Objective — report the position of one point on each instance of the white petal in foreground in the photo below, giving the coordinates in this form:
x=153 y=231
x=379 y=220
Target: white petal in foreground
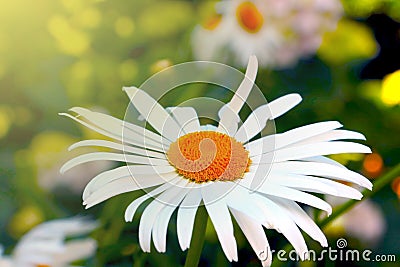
x=332 y=136
x=286 y=226
x=161 y=223
x=127 y=158
x=314 y=149
x=290 y=193
x=322 y=170
x=315 y=185
x=302 y=219
x=255 y=234
x=117 y=146
x=154 y=113
x=187 y=118
x=221 y=219
x=127 y=131
x=186 y=215
x=257 y=120
x=263 y=145
x=171 y=196
x=228 y=114
x=141 y=142
x=131 y=209
x=135 y=181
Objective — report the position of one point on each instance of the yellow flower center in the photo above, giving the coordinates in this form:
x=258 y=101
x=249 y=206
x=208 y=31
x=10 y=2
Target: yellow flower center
x=249 y=17
x=208 y=156
x=42 y=265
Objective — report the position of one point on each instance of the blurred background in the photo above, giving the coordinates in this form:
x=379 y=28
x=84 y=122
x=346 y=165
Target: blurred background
x=343 y=57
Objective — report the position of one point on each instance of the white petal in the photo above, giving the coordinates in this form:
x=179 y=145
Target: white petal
x=127 y=158
x=161 y=223
x=302 y=219
x=259 y=117
x=221 y=219
x=314 y=149
x=322 y=169
x=332 y=136
x=128 y=131
x=131 y=209
x=117 y=146
x=296 y=195
x=290 y=137
x=186 y=118
x=322 y=159
x=228 y=114
x=140 y=180
x=287 y=227
x=240 y=200
x=142 y=142
x=76 y=250
x=208 y=127
x=255 y=234
x=185 y=218
x=61 y=228
x=151 y=213
x=116 y=187
x=316 y=185
x=154 y=113
x=40 y=246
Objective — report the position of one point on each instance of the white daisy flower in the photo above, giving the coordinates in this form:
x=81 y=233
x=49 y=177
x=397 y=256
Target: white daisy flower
x=259 y=183
x=46 y=245
x=278 y=32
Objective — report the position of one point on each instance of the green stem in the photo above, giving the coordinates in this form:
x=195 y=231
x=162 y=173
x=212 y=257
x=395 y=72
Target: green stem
x=197 y=242
x=377 y=186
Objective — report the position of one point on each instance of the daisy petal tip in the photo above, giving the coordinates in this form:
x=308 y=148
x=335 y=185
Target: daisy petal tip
x=253 y=61
x=296 y=97
x=62 y=170
x=324 y=242
x=77 y=109
x=329 y=212
x=130 y=91
x=368 y=185
x=64 y=114
x=128 y=217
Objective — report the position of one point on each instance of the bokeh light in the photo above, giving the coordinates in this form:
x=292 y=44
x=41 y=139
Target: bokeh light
x=373 y=164
x=391 y=89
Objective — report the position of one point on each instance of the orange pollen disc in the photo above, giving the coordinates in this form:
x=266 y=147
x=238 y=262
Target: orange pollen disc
x=42 y=265
x=209 y=156
x=249 y=17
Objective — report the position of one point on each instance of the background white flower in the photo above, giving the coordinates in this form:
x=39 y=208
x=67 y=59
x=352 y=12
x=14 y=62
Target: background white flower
x=46 y=244
x=278 y=32
x=187 y=165
x=353 y=222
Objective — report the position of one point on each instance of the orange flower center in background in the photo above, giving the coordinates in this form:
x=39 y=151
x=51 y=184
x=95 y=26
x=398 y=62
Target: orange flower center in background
x=249 y=17
x=213 y=22
x=208 y=156
x=42 y=265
